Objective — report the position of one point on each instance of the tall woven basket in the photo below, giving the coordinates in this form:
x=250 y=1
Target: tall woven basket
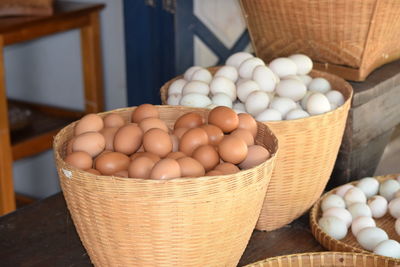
x=349 y=38
x=204 y=221
x=307 y=153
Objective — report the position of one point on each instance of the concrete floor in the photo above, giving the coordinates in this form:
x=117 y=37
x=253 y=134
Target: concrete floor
x=390 y=161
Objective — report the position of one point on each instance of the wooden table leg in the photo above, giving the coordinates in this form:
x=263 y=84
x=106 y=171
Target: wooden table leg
x=92 y=65
x=7 y=195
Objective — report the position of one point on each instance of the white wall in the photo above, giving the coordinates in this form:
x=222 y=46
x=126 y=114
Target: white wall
x=48 y=70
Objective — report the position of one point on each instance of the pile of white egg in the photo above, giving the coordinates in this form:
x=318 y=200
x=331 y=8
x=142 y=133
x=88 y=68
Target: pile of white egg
x=283 y=90
x=357 y=207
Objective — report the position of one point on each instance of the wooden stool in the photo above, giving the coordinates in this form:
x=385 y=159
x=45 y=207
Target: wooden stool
x=66 y=16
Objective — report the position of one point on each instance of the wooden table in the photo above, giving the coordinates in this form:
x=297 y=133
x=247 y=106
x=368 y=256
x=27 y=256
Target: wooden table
x=48 y=120
x=43 y=234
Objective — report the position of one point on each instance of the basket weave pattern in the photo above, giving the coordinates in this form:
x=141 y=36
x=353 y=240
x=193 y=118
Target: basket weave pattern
x=203 y=221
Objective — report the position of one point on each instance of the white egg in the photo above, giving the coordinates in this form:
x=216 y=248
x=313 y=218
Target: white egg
x=361 y=223
x=195 y=100
x=239 y=106
x=369 y=185
x=305 y=78
x=389 y=188
x=221 y=99
x=291 y=88
x=378 y=206
x=332 y=201
x=293 y=77
x=318 y=104
x=304 y=63
x=247 y=67
x=342 y=190
x=189 y=72
x=238 y=111
x=354 y=195
x=341 y=213
x=333 y=226
x=211 y=106
x=283 y=105
x=265 y=78
x=196 y=87
x=256 y=102
x=223 y=85
x=370 y=237
x=176 y=87
x=320 y=85
x=333 y=106
x=269 y=115
x=245 y=88
x=296 y=113
x=388 y=248
x=236 y=59
x=283 y=66
x=397 y=226
x=228 y=72
x=303 y=101
x=394 y=208
x=203 y=75
x=335 y=97
x=240 y=80
x=174 y=99
x=359 y=209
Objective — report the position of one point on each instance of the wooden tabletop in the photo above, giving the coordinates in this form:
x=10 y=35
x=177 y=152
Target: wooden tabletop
x=43 y=234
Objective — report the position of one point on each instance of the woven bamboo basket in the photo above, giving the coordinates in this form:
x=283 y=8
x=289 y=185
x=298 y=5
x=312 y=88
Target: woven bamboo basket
x=205 y=221
x=349 y=38
x=308 y=150
x=324 y=259
x=349 y=243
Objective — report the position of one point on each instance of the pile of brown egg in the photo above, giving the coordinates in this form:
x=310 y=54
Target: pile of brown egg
x=146 y=148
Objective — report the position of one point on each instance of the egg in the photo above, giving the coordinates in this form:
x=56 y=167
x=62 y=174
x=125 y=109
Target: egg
x=232 y=149
x=113 y=120
x=80 y=160
x=340 y=213
x=149 y=155
x=69 y=144
x=228 y=72
x=304 y=63
x=144 y=111
x=283 y=66
x=245 y=135
x=389 y=188
x=283 y=105
x=318 y=104
x=269 y=114
x=394 y=208
x=207 y=156
x=388 y=248
x=174 y=99
x=189 y=120
x=166 y=169
x=397 y=226
x=190 y=167
x=247 y=67
x=304 y=100
x=176 y=155
x=176 y=87
x=215 y=134
x=211 y=106
x=247 y=122
x=369 y=185
x=112 y=162
x=256 y=155
x=140 y=167
x=370 y=237
x=333 y=226
x=91 y=142
x=332 y=201
x=224 y=118
x=109 y=134
x=256 y=102
x=93 y=171
x=195 y=100
x=192 y=139
x=196 y=87
x=354 y=195
x=320 y=85
x=296 y=113
x=342 y=190
x=378 y=206
x=236 y=59
x=265 y=78
x=245 y=88
x=361 y=222
x=202 y=75
x=239 y=106
x=189 y=72
x=221 y=84
x=123 y=174
x=306 y=79
x=292 y=89
x=221 y=99
x=89 y=123
x=128 y=139
x=179 y=132
x=214 y=173
x=359 y=209
x=335 y=97
x=227 y=168
x=158 y=142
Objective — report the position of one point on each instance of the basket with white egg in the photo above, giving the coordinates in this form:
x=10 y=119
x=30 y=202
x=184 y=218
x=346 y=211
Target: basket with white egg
x=306 y=109
x=362 y=216
x=202 y=221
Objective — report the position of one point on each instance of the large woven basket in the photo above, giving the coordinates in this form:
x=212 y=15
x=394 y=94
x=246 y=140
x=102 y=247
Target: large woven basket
x=204 y=221
x=308 y=150
x=349 y=38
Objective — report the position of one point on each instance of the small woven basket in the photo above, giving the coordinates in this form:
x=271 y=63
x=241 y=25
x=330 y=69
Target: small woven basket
x=308 y=150
x=349 y=243
x=204 y=221
x=349 y=38
x=324 y=259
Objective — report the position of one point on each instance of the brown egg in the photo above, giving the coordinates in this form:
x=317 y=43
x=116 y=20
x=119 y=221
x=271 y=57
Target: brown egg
x=207 y=156
x=227 y=168
x=158 y=142
x=144 y=111
x=245 y=135
x=149 y=155
x=93 y=171
x=175 y=142
x=214 y=173
x=189 y=120
x=89 y=123
x=255 y=156
x=224 y=118
x=149 y=123
x=102 y=153
x=91 y=142
x=192 y=139
x=141 y=167
x=69 y=145
x=215 y=134
x=166 y=169
x=247 y=122
x=179 y=132
x=109 y=134
x=123 y=174
x=190 y=167
x=112 y=162
x=176 y=155
x=113 y=120
x=80 y=160
x=128 y=139
x=232 y=149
